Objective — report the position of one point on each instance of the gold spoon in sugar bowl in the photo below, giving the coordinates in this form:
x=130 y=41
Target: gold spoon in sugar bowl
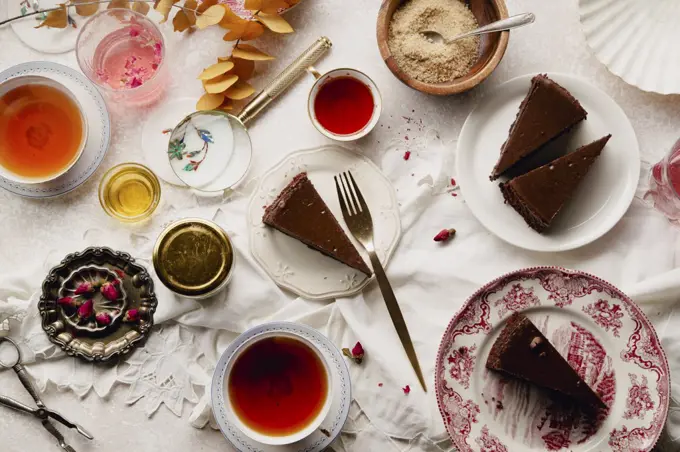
x=500 y=25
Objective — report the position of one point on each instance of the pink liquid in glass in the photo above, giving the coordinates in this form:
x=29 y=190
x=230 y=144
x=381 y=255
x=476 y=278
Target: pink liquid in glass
x=664 y=185
x=127 y=61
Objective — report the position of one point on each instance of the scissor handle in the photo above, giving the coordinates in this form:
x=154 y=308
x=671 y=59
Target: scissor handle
x=21 y=372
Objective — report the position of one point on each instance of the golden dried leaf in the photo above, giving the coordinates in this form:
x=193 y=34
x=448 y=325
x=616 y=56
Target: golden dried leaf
x=239 y=91
x=209 y=101
x=215 y=70
x=227 y=105
x=243 y=68
x=56 y=19
x=211 y=16
x=220 y=84
x=85 y=10
x=141 y=7
x=164 y=7
x=275 y=23
x=205 y=4
x=231 y=20
x=248 y=52
x=292 y=3
x=245 y=31
x=183 y=20
x=224 y=58
x=122 y=4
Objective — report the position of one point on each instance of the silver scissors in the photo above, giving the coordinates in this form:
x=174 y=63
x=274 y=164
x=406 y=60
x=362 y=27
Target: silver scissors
x=42 y=412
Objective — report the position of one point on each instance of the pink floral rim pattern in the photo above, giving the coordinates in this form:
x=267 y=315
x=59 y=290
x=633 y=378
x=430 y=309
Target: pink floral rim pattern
x=603 y=334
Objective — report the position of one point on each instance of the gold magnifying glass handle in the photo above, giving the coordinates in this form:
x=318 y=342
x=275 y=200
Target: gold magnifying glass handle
x=285 y=79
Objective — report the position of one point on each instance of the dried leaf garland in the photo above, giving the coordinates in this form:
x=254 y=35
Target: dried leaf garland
x=164 y=7
x=205 y=4
x=56 y=19
x=85 y=10
x=215 y=70
x=243 y=68
x=227 y=105
x=248 y=52
x=266 y=6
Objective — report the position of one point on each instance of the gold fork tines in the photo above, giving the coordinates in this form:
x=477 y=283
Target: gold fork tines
x=358 y=219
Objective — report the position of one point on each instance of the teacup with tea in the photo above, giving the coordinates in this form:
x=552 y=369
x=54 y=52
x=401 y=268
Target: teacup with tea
x=344 y=104
x=43 y=131
x=279 y=388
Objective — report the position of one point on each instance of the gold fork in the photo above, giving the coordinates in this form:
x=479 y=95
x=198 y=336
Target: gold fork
x=359 y=221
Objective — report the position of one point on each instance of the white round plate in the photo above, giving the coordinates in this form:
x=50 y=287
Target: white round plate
x=156 y=135
x=636 y=40
x=603 y=334
x=602 y=197
x=293 y=265
x=98 y=134
x=342 y=392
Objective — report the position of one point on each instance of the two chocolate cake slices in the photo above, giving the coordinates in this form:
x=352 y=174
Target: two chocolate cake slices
x=546 y=113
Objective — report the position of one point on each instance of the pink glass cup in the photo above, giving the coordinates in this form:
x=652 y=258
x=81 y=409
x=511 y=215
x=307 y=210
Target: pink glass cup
x=664 y=185
x=123 y=53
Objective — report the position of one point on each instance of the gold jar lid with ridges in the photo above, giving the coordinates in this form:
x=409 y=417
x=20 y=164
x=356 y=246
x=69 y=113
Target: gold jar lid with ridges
x=193 y=257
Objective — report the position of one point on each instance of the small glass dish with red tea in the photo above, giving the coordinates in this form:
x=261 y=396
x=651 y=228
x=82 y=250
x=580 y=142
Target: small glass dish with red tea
x=279 y=388
x=344 y=104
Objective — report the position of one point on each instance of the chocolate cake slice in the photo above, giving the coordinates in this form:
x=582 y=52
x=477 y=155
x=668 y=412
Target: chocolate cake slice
x=521 y=351
x=546 y=113
x=300 y=212
x=540 y=194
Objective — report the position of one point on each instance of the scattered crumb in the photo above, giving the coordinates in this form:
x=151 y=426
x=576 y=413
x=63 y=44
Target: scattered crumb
x=380 y=385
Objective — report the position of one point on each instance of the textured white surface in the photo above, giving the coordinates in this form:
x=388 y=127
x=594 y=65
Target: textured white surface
x=431 y=281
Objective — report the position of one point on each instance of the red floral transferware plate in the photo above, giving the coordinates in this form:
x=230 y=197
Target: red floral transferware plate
x=603 y=334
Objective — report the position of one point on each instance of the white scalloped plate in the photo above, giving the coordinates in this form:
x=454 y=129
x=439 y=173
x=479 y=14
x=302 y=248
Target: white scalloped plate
x=603 y=335
x=342 y=392
x=637 y=40
x=98 y=133
x=293 y=265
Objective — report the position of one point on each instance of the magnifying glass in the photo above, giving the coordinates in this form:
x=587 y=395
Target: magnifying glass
x=211 y=150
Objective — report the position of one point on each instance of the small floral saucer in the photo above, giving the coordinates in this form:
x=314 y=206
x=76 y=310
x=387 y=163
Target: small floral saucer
x=342 y=392
x=293 y=265
x=98 y=124
x=603 y=334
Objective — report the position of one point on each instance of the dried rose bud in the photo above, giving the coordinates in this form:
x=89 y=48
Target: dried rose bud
x=358 y=351
x=453 y=182
x=84 y=289
x=131 y=315
x=119 y=272
x=86 y=310
x=407 y=154
x=103 y=318
x=109 y=291
x=380 y=385
x=67 y=302
x=406 y=389
x=444 y=235
x=356 y=354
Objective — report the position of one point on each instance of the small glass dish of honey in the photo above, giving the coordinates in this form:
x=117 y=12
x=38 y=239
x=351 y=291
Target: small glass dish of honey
x=129 y=192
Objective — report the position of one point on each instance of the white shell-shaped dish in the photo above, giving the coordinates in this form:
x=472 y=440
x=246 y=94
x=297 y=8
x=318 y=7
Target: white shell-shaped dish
x=637 y=40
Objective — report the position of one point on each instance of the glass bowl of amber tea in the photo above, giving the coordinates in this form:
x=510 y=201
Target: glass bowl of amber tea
x=279 y=388
x=43 y=131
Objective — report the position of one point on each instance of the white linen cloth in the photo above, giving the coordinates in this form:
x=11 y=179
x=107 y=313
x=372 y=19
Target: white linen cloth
x=431 y=280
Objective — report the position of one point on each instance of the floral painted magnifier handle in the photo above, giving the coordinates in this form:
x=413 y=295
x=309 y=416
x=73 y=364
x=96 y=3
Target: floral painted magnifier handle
x=285 y=79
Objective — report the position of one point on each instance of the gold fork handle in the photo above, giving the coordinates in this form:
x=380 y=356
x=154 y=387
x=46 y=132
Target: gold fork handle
x=397 y=317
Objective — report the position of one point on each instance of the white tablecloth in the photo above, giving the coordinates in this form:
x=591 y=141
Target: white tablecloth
x=166 y=380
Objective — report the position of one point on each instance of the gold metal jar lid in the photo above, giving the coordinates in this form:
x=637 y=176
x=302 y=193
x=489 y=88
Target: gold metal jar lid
x=193 y=257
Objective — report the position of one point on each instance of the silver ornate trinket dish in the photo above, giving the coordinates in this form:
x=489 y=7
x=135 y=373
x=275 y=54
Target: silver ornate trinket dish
x=97 y=304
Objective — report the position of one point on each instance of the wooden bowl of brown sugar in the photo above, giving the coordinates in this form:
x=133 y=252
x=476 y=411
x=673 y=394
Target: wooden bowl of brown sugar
x=432 y=73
